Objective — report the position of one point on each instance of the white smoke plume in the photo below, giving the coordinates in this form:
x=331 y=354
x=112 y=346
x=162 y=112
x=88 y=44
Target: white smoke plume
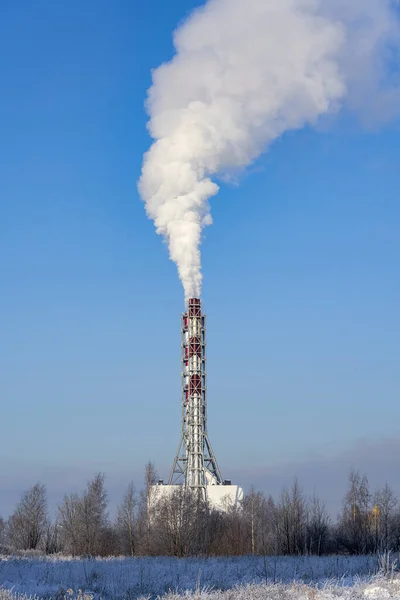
x=246 y=71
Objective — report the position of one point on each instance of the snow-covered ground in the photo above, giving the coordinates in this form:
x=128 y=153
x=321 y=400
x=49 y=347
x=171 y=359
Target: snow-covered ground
x=244 y=578
x=380 y=589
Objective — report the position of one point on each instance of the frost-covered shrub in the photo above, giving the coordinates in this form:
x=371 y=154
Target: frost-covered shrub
x=9 y=595
x=375 y=590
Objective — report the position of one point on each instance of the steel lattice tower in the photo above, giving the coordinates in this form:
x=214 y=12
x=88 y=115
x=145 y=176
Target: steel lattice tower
x=194 y=465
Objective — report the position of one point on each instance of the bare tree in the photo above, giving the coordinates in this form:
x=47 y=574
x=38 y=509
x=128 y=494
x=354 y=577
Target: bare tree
x=214 y=533
x=235 y=539
x=94 y=515
x=69 y=514
x=174 y=523
x=259 y=513
x=126 y=521
x=51 y=542
x=383 y=517
x=318 y=525
x=2 y=532
x=252 y=509
x=291 y=521
x=83 y=520
x=146 y=510
x=354 y=529
x=283 y=523
x=182 y=524
x=269 y=541
x=150 y=479
x=27 y=525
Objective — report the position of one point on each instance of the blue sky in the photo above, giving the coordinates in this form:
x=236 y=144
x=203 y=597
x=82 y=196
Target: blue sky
x=301 y=277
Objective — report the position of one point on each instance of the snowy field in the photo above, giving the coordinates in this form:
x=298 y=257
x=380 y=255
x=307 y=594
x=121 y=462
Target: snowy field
x=251 y=577
x=378 y=589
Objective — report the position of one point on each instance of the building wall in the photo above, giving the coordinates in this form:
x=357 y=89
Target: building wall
x=220 y=497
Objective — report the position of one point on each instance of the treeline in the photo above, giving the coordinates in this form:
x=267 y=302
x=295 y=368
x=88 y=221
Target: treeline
x=182 y=525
